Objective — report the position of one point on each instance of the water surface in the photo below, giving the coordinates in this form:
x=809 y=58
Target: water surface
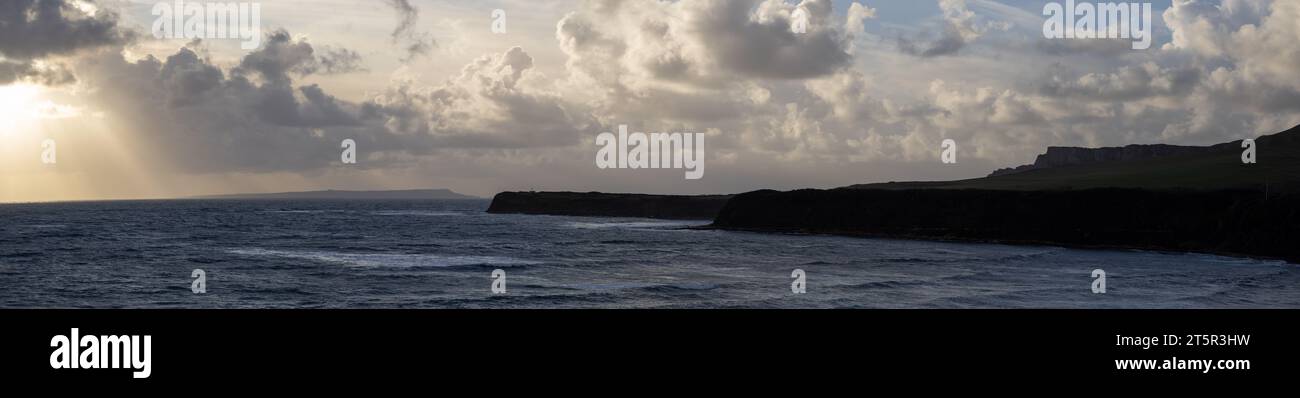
x=440 y=254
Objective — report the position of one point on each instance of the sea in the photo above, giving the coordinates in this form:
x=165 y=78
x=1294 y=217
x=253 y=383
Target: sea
x=445 y=254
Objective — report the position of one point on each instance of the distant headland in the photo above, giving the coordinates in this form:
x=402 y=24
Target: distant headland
x=406 y=194
x=596 y=204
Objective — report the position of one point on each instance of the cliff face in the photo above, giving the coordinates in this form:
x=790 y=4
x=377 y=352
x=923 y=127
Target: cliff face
x=1230 y=222
x=609 y=205
x=1057 y=156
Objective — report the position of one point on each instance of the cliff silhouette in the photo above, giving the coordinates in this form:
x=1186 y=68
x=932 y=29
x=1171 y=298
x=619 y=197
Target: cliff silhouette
x=1156 y=197
x=1192 y=199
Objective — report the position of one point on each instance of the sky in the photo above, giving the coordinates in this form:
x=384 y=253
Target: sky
x=433 y=97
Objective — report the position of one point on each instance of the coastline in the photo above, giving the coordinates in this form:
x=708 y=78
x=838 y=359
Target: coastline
x=1233 y=223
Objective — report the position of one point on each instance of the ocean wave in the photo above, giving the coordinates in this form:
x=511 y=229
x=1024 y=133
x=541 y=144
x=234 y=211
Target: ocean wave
x=913 y=260
x=303 y=211
x=1234 y=261
x=1024 y=256
x=417 y=213
x=45 y=226
x=19 y=254
x=618 y=242
x=559 y=300
x=889 y=284
x=592 y=286
x=398 y=260
x=681 y=287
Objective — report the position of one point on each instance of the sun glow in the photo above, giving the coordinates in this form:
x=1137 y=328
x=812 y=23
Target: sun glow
x=17 y=106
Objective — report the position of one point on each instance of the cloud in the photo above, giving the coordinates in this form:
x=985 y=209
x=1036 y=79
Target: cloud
x=667 y=65
x=702 y=42
x=27 y=71
x=40 y=28
x=255 y=117
x=497 y=102
x=959 y=29
x=334 y=60
x=201 y=119
x=760 y=42
x=414 y=42
x=282 y=55
x=1246 y=50
x=1126 y=84
x=832 y=106
x=36 y=29
x=858 y=14
x=1092 y=47
x=1208 y=28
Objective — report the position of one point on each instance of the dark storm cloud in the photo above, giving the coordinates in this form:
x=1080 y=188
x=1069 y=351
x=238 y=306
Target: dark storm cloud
x=32 y=29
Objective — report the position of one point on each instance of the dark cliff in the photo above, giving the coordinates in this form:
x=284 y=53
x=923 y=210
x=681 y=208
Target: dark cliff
x=1225 y=222
x=1198 y=199
x=1057 y=156
x=703 y=207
